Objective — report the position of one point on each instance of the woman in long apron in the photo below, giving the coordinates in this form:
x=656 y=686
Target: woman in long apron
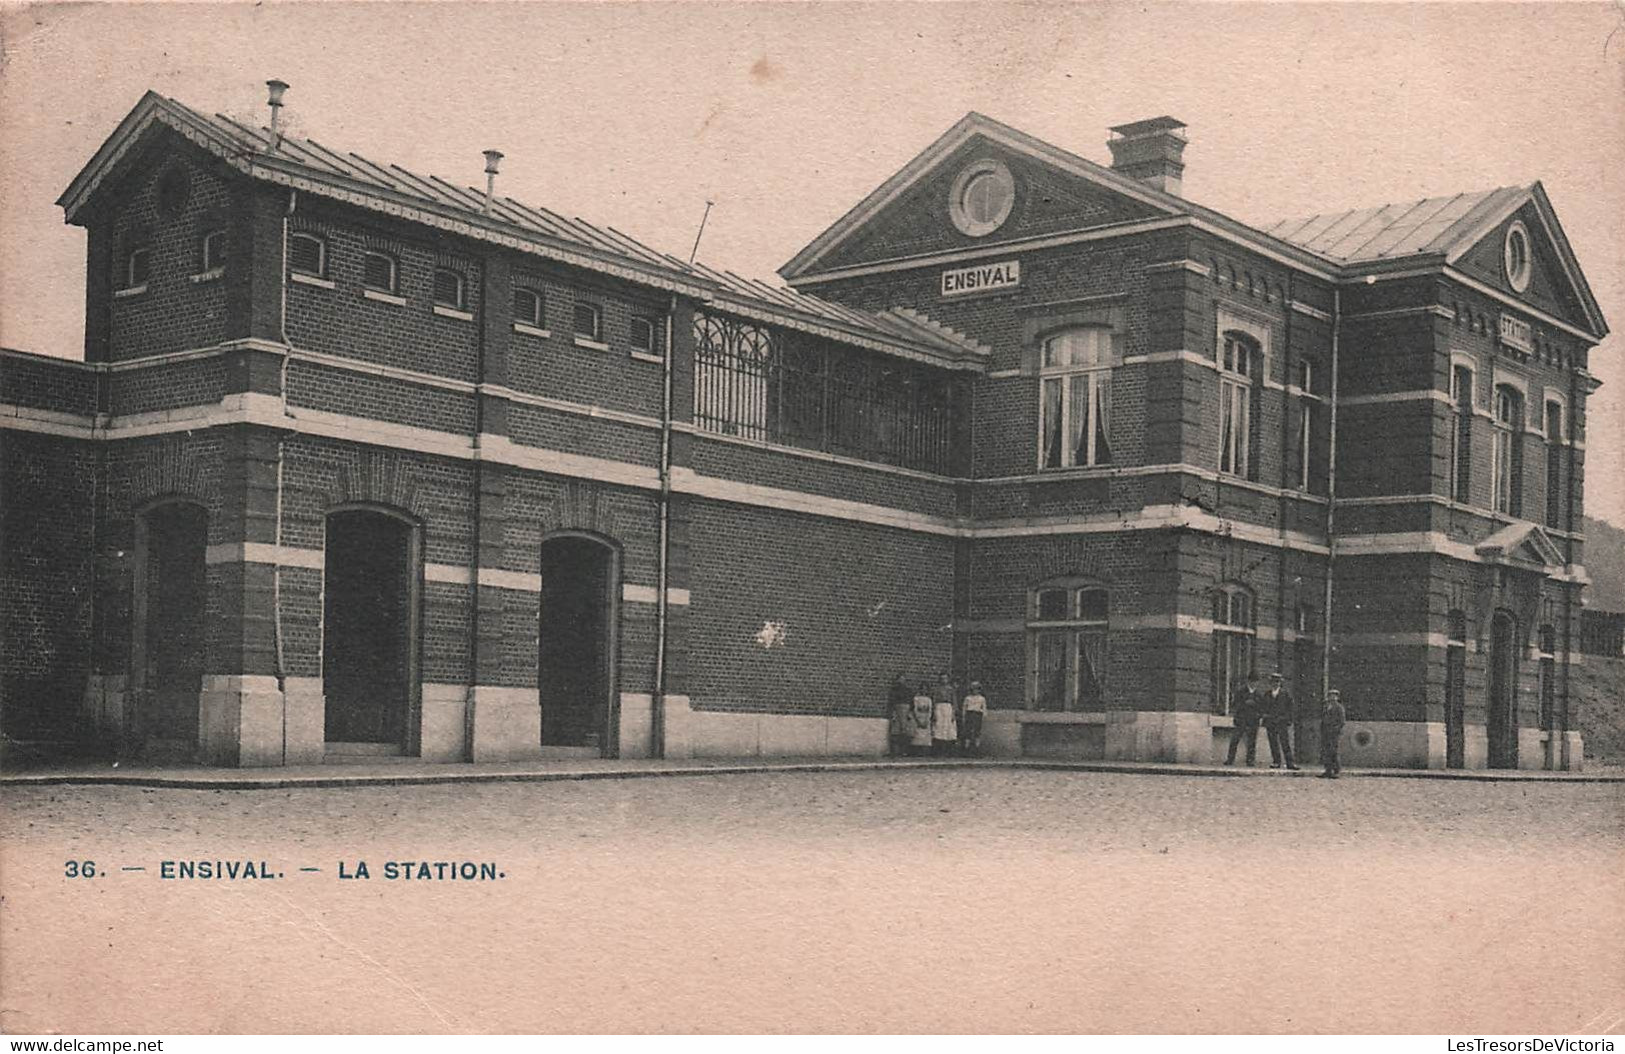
x=919 y=741
x=944 y=726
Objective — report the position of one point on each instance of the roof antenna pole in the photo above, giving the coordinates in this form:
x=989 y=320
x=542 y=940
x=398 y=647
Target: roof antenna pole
x=492 y=158
x=276 y=89
x=692 y=253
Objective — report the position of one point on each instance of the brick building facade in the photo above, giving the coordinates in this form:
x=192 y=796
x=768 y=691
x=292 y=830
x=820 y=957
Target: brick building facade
x=363 y=463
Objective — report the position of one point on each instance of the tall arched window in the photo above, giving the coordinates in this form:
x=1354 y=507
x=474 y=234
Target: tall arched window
x=1239 y=363
x=1234 y=630
x=1066 y=633
x=1075 y=404
x=1508 y=468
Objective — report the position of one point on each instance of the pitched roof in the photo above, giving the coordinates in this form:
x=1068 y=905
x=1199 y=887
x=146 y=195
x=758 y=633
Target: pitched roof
x=1406 y=228
x=306 y=165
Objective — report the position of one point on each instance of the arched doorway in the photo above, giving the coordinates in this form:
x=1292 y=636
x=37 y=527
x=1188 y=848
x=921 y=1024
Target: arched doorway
x=170 y=604
x=1503 y=710
x=577 y=642
x=369 y=631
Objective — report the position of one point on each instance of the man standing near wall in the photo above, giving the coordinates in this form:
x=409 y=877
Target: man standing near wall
x=1331 y=732
x=970 y=722
x=1278 y=714
x=1244 y=710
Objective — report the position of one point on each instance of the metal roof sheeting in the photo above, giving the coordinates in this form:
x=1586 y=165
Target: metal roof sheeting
x=1400 y=229
x=915 y=337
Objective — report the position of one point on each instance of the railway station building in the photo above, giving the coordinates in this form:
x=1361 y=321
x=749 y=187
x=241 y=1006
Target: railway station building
x=360 y=463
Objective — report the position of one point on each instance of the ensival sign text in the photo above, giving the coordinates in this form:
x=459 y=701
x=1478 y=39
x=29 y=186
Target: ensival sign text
x=1005 y=274
x=1516 y=333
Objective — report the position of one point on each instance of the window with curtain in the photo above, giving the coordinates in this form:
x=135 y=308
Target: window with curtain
x=1076 y=398
x=1067 y=636
x=1234 y=630
x=1239 y=359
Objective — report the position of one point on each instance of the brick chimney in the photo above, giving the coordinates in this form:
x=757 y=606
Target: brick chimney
x=1149 y=151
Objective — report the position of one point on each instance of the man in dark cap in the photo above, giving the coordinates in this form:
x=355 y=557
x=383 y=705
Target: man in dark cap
x=1279 y=712
x=1331 y=732
x=1244 y=710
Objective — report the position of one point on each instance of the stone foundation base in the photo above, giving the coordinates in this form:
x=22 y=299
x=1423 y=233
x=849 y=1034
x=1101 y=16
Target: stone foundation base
x=240 y=721
x=691 y=733
x=505 y=724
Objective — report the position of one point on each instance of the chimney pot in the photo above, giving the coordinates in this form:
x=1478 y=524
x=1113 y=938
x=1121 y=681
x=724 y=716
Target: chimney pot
x=492 y=159
x=1150 y=152
x=276 y=88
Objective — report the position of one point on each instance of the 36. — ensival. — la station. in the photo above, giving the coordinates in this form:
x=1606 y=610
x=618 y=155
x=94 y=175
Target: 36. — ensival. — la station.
x=360 y=462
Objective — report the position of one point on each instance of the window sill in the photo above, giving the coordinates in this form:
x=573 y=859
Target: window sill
x=210 y=275
x=644 y=356
x=451 y=312
x=310 y=279
x=530 y=330
x=134 y=290
x=384 y=298
x=1069 y=471
x=587 y=342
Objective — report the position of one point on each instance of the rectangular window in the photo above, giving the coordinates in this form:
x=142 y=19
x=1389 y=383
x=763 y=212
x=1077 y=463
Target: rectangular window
x=643 y=335
x=379 y=273
x=527 y=307
x=449 y=288
x=1554 y=464
x=1508 y=460
x=1069 y=641
x=1235 y=425
x=307 y=254
x=1306 y=418
x=1052 y=655
x=1461 y=396
x=1075 y=399
x=214 y=251
x=137 y=266
x=588 y=321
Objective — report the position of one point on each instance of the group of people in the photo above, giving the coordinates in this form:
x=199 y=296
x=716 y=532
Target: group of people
x=933 y=718
x=1275 y=709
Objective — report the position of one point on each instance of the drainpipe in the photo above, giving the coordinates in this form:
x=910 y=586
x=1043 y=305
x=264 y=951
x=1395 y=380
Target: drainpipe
x=1331 y=498
x=1288 y=441
x=1559 y=760
x=657 y=708
x=281 y=460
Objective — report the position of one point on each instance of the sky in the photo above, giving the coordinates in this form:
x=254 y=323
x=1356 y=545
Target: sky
x=785 y=115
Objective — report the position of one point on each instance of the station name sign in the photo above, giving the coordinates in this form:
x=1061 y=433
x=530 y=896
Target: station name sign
x=1518 y=334
x=962 y=281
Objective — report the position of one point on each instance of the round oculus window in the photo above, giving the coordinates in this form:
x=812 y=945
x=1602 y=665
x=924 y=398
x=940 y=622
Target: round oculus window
x=1515 y=256
x=981 y=198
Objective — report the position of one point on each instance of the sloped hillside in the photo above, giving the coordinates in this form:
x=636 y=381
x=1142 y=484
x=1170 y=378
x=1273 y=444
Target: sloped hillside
x=1601 y=684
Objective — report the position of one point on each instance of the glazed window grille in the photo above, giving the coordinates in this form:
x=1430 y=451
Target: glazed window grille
x=1067 y=642
x=1234 y=631
x=1508 y=466
x=1075 y=400
x=759 y=382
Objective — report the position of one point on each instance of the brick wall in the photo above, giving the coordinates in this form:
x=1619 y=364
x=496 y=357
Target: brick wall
x=857 y=604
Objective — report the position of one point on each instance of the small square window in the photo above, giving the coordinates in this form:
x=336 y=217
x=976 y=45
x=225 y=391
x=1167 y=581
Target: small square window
x=378 y=272
x=588 y=321
x=136 y=268
x=214 y=250
x=1306 y=374
x=449 y=288
x=307 y=254
x=643 y=334
x=1092 y=605
x=527 y=307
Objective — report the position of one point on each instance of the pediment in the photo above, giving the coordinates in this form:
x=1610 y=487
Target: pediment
x=910 y=215
x=1521 y=543
x=1555 y=284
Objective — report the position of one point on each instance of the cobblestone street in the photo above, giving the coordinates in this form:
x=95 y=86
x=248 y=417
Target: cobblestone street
x=907 y=900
